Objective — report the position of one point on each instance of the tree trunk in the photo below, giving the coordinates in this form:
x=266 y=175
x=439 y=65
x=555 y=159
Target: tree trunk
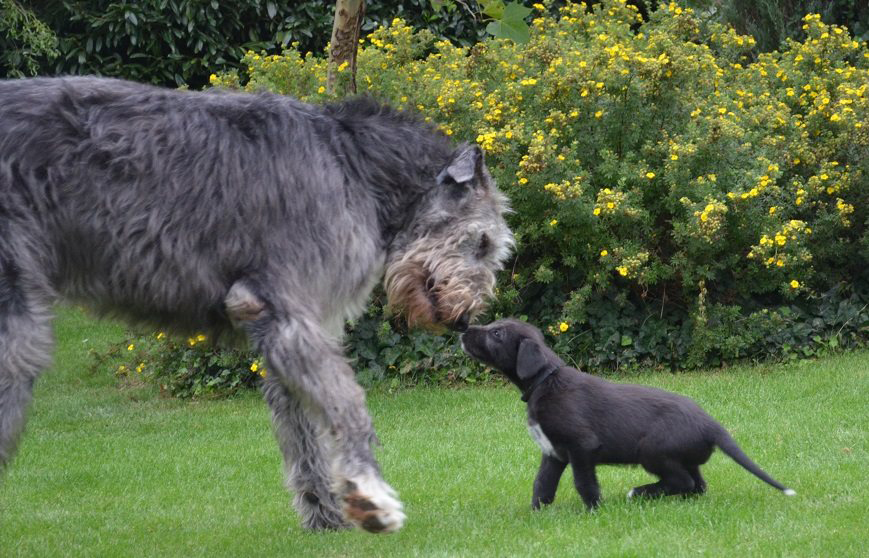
x=345 y=41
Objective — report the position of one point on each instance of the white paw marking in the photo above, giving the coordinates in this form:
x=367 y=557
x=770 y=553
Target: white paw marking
x=790 y=492
x=630 y=494
x=373 y=505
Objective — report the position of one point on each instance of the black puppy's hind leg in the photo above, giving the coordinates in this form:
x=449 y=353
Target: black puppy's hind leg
x=675 y=479
x=699 y=481
x=546 y=482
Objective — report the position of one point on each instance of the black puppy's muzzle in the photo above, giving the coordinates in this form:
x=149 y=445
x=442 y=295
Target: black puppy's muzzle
x=471 y=338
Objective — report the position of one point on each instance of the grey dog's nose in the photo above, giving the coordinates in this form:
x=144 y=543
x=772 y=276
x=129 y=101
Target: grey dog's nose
x=461 y=324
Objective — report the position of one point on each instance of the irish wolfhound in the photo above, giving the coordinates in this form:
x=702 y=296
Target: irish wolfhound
x=203 y=211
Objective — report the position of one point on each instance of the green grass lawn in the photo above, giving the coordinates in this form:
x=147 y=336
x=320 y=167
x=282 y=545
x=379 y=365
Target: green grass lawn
x=118 y=471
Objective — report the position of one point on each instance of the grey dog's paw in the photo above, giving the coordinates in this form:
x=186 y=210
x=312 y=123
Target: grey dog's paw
x=372 y=505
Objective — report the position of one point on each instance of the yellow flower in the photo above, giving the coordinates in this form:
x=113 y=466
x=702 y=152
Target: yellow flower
x=772 y=210
x=604 y=253
x=650 y=175
x=523 y=180
x=200 y=338
x=596 y=211
x=553 y=222
x=610 y=205
x=563 y=326
x=623 y=271
x=212 y=78
x=321 y=89
x=130 y=347
x=704 y=216
x=254 y=366
x=674 y=157
x=598 y=114
x=161 y=336
x=795 y=284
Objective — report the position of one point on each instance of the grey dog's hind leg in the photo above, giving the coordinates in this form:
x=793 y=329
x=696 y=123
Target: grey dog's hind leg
x=25 y=350
x=306 y=459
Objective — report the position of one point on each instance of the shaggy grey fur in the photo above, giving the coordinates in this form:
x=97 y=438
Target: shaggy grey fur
x=204 y=211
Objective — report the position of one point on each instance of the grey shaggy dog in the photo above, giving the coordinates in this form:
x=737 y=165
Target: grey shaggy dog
x=214 y=211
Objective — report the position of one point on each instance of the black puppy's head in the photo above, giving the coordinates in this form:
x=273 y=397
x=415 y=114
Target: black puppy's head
x=515 y=348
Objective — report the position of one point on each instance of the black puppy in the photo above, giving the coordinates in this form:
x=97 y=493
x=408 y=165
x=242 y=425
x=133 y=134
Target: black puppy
x=586 y=421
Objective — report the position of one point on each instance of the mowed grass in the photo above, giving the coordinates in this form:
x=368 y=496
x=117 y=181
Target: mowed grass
x=111 y=471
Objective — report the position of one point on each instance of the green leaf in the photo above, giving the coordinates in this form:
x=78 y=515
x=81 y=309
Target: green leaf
x=493 y=8
x=512 y=24
x=627 y=341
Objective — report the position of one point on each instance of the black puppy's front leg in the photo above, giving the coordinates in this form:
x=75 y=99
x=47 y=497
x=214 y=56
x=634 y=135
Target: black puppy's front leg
x=584 y=478
x=546 y=482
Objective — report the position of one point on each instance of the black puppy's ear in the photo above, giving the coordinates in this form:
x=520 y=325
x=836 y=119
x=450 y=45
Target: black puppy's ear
x=465 y=166
x=529 y=359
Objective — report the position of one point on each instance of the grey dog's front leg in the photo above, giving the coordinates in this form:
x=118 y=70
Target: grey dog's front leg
x=546 y=482
x=309 y=363
x=306 y=458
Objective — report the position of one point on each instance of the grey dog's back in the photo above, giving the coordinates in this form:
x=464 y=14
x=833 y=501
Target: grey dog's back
x=142 y=163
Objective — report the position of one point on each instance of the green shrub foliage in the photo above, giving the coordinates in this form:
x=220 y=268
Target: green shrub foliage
x=770 y=22
x=678 y=202
x=181 y=42
x=24 y=41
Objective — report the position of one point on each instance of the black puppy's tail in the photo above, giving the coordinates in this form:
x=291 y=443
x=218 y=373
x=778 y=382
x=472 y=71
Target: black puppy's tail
x=728 y=445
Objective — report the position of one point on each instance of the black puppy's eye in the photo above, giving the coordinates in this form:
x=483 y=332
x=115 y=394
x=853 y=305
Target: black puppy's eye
x=496 y=333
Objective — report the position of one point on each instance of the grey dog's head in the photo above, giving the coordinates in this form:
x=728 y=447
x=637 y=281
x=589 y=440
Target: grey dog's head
x=515 y=348
x=443 y=271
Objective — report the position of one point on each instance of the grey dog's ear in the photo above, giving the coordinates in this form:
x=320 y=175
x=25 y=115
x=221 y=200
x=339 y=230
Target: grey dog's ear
x=466 y=165
x=529 y=359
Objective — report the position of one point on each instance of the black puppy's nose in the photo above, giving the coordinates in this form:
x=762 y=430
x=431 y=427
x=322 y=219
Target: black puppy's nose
x=461 y=324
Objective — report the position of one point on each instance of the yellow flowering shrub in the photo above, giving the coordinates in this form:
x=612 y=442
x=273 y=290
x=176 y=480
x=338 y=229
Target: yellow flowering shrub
x=185 y=368
x=693 y=182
